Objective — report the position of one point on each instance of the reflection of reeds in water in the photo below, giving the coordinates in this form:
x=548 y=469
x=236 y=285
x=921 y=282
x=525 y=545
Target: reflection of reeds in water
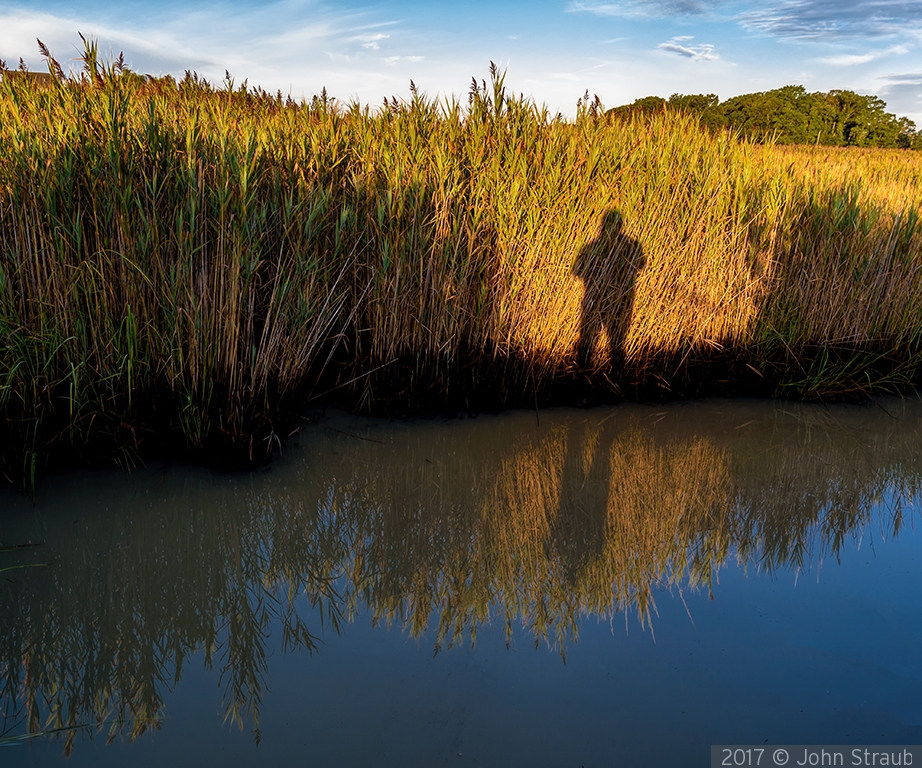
x=582 y=518
x=660 y=533
x=439 y=530
x=109 y=627
x=806 y=492
x=578 y=524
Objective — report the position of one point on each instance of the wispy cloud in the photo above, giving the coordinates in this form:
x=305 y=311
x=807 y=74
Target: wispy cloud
x=371 y=41
x=599 y=9
x=393 y=61
x=912 y=78
x=317 y=46
x=903 y=94
x=851 y=59
x=642 y=8
x=820 y=20
x=834 y=19
x=150 y=50
x=703 y=52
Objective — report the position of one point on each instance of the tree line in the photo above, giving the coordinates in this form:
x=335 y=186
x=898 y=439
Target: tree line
x=791 y=115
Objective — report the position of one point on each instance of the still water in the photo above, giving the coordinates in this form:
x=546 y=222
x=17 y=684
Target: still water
x=611 y=587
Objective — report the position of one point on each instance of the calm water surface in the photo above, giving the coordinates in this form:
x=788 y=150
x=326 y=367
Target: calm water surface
x=605 y=587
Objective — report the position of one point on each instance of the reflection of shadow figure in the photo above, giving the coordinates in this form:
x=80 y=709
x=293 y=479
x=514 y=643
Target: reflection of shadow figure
x=608 y=267
x=579 y=529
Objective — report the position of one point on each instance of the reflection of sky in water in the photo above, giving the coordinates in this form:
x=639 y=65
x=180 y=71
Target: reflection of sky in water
x=461 y=523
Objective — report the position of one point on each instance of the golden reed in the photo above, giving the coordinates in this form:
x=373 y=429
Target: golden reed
x=187 y=260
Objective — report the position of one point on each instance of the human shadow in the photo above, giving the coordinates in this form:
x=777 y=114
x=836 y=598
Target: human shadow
x=608 y=266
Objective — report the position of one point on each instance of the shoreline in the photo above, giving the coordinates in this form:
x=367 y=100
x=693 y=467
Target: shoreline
x=127 y=446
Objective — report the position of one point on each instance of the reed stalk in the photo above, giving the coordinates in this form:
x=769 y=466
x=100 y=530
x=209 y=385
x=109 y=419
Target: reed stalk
x=189 y=261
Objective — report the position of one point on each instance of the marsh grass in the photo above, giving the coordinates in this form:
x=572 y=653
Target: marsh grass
x=187 y=261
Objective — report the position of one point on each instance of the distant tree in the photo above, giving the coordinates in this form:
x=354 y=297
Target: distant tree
x=705 y=107
x=695 y=102
x=788 y=115
x=644 y=106
x=909 y=138
x=649 y=104
x=862 y=121
x=791 y=115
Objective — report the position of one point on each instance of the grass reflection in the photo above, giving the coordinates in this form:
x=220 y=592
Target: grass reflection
x=438 y=529
x=100 y=637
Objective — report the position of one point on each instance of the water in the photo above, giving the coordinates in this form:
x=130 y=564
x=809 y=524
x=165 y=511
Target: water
x=618 y=586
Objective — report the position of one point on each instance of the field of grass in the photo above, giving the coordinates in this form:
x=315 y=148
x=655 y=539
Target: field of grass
x=193 y=262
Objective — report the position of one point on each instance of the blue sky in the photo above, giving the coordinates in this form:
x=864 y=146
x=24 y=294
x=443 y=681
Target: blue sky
x=552 y=50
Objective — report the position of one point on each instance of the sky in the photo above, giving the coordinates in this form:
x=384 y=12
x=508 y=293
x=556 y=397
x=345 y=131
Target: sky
x=552 y=50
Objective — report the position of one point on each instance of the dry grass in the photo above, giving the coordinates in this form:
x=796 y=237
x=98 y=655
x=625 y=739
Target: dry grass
x=192 y=260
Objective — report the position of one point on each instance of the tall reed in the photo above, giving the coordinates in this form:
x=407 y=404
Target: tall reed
x=189 y=260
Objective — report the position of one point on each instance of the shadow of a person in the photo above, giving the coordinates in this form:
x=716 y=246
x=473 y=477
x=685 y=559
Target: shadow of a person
x=608 y=267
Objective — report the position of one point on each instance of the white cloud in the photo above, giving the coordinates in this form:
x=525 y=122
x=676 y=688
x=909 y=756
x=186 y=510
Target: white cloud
x=703 y=52
x=371 y=41
x=642 y=8
x=851 y=59
x=903 y=94
x=320 y=48
x=834 y=19
x=599 y=9
x=393 y=61
x=20 y=29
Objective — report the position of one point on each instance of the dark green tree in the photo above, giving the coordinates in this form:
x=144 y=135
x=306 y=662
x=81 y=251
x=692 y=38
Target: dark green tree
x=791 y=115
x=647 y=105
x=705 y=106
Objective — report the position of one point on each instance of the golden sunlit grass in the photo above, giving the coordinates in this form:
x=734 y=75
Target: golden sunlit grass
x=193 y=260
